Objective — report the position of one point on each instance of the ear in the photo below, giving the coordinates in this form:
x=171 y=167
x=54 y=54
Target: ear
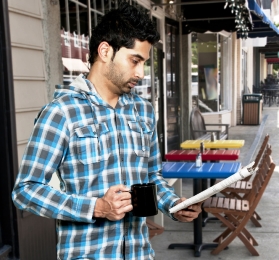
x=104 y=50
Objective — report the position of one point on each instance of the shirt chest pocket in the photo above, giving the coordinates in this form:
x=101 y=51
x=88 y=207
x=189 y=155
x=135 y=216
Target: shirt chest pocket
x=92 y=143
x=141 y=134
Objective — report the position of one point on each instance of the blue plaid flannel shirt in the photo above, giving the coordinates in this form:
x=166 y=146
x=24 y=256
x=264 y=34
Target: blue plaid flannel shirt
x=91 y=146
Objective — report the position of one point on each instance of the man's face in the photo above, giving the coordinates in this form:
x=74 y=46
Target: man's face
x=127 y=67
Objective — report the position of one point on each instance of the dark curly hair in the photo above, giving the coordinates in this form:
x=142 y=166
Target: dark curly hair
x=120 y=28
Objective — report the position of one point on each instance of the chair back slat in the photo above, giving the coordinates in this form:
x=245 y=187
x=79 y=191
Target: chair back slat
x=197 y=123
x=266 y=171
x=240 y=211
x=261 y=151
x=261 y=163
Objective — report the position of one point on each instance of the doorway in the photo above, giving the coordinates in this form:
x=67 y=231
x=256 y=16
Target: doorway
x=172 y=88
x=8 y=148
x=159 y=95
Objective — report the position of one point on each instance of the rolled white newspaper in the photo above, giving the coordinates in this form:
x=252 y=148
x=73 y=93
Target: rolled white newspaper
x=241 y=174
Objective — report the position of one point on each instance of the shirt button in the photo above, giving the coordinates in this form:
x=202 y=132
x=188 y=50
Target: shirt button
x=125 y=182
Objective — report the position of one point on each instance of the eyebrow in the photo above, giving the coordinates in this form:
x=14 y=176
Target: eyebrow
x=138 y=56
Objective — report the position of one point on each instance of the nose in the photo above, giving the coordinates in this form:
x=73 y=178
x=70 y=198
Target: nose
x=139 y=73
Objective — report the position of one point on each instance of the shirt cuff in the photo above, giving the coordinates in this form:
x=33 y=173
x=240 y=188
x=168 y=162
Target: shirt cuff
x=172 y=214
x=85 y=209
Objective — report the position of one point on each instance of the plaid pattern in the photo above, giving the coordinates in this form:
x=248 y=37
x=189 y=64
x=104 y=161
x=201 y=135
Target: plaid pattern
x=91 y=146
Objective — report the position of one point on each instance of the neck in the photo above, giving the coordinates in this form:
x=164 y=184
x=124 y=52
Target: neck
x=101 y=84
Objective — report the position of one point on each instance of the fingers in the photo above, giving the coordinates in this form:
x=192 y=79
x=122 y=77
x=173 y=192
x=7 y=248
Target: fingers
x=186 y=215
x=180 y=200
x=117 y=193
x=189 y=214
x=119 y=187
x=120 y=203
x=196 y=207
x=115 y=203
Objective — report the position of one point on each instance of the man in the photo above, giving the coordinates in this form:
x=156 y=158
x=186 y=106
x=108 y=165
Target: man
x=100 y=139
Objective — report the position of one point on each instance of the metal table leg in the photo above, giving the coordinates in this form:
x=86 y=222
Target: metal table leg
x=198 y=245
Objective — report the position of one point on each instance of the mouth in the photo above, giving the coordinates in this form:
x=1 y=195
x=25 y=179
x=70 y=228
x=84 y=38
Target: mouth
x=132 y=84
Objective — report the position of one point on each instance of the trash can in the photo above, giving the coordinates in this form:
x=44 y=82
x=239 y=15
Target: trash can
x=252 y=109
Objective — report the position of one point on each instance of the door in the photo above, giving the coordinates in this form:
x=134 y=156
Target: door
x=144 y=89
x=172 y=80
x=22 y=235
x=8 y=150
x=159 y=95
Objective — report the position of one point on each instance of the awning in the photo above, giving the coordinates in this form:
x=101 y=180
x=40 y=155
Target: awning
x=213 y=15
x=271 y=55
x=262 y=25
x=272 y=60
x=272 y=46
x=74 y=65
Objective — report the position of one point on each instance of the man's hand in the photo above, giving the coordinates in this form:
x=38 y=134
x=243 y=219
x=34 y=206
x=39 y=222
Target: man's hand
x=115 y=203
x=189 y=214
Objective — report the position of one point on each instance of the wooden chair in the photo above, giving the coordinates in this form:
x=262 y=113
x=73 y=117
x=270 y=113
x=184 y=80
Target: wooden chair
x=240 y=189
x=154 y=229
x=235 y=213
x=198 y=127
x=261 y=152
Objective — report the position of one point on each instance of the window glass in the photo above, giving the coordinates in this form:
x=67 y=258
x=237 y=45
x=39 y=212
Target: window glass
x=205 y=66
x=225 y=72
x=95 y=19
x=74 y=39
x=172 y=84
x=73 y=13
x=63 y=15
x=97 y=5
x=83 y=21
x=85 y=2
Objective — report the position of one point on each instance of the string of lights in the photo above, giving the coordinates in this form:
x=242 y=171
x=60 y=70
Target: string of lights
x=239 y=8
x=242 y=15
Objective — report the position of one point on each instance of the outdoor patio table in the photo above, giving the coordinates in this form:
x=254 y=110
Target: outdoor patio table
x=207 y=155
x=189 y=170
x=270 y=95
x=218 y=144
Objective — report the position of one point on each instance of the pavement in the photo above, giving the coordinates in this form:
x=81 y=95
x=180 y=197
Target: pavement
x=267 y=236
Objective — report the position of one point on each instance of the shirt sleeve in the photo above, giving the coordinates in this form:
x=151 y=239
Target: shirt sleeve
x=45 y=150
x=165 y=193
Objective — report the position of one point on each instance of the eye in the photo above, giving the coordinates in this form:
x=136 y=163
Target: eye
x=135 y=61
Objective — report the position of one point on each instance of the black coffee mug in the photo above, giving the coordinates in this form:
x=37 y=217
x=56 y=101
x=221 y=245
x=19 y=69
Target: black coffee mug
x=144 y=199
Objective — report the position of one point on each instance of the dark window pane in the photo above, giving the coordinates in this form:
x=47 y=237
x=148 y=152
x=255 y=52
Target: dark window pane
x=63 y=16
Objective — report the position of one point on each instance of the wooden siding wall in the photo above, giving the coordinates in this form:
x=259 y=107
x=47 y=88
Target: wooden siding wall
x=28 y=65
x=36 y=234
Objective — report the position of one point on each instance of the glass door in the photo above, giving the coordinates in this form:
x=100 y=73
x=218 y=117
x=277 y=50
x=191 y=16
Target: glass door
x=144 y=89
x=159 y=97
x=172 y=91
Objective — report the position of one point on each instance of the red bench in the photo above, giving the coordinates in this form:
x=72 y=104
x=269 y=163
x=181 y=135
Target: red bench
x=208 y=155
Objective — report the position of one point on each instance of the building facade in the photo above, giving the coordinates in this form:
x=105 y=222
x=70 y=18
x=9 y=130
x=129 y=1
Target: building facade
x=45 y=42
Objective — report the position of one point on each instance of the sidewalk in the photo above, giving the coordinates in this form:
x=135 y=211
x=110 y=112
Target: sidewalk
x=267 y=236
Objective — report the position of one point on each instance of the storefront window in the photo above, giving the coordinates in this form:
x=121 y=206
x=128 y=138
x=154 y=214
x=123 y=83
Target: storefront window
x=225 y=73
x=172 y=85
x=211 y=72
x=77 y=20
x=244 y=71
